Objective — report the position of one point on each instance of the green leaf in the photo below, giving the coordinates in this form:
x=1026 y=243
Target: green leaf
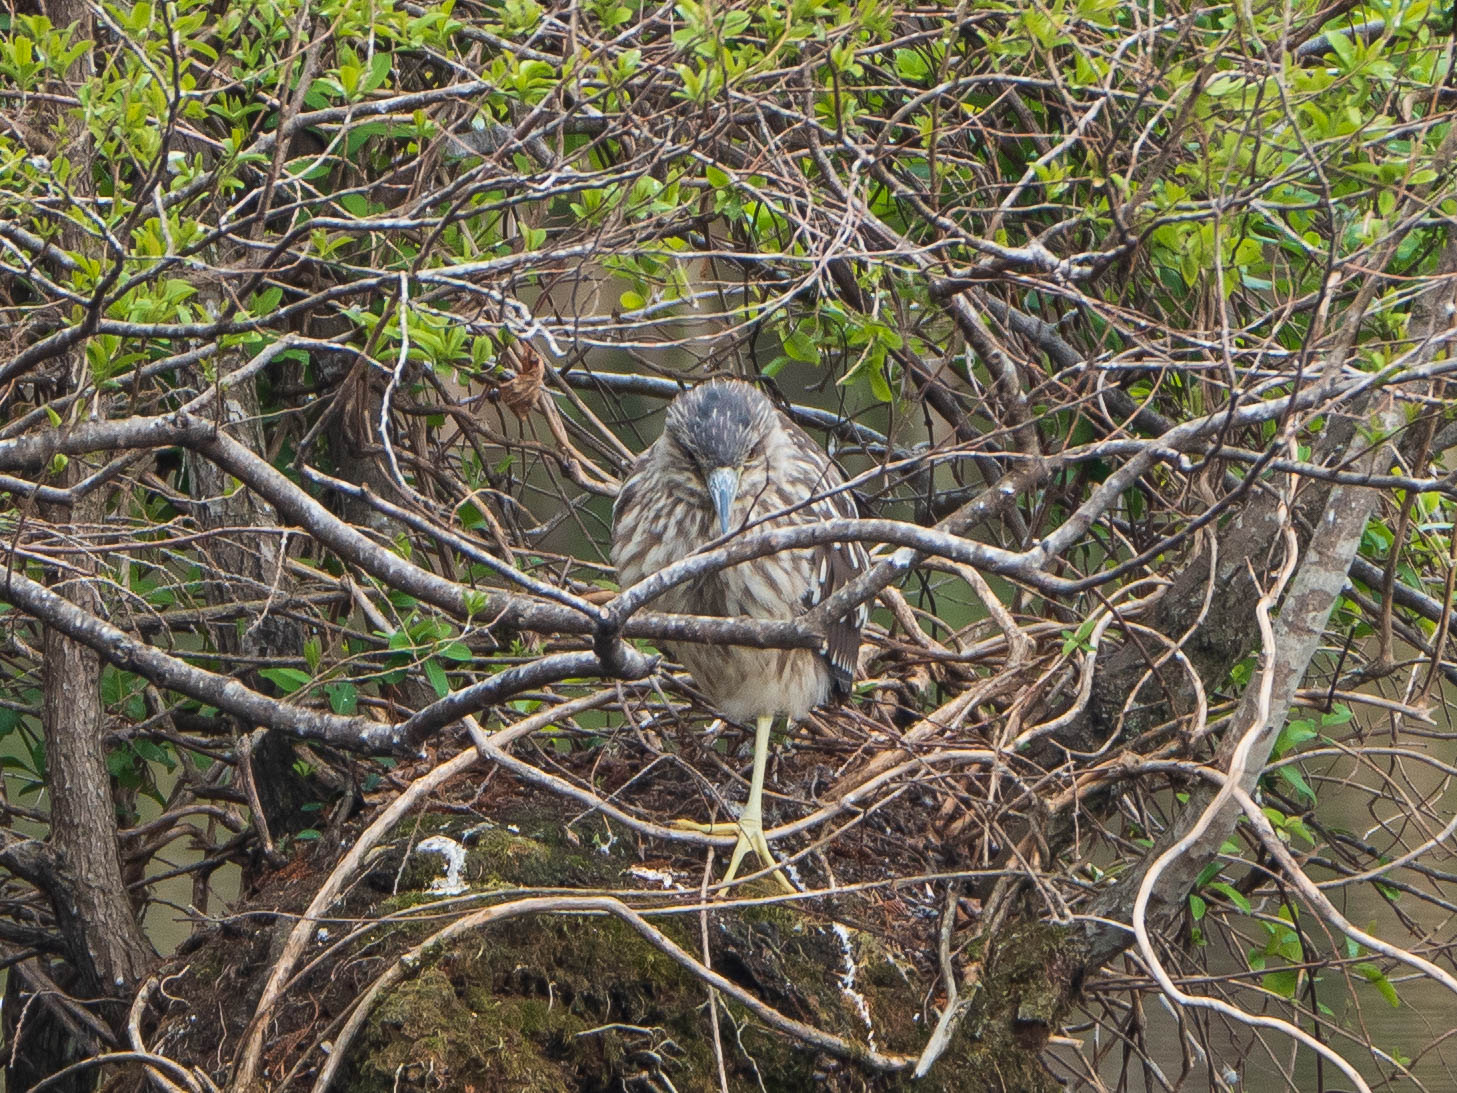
x=1296 y=826
x=436 y=674
x=286 y=680
x=354 y=205
x=1283 y=982
x=1342 y=48
x=801 y=347
x=1075 y=640
x=1234 y=895
x=118 y=762
x=379 y=71
x=1292 y=736
x=910 y=65
x=1292 y=776
x=153 y=753
x=1377 y=978
x=879 y=384
x=343 y=698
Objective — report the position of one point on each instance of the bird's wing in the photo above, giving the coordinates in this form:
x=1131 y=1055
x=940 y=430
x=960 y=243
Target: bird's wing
x=835 y=564
x=627 y=541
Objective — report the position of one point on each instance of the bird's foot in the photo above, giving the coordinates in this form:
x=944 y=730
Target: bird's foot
x=750 y=832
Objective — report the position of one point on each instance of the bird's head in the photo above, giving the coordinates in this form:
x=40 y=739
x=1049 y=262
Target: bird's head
x=720 y=428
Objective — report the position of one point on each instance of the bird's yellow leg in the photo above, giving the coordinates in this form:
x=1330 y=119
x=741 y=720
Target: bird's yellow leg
x=750 y=825
x=751 y=820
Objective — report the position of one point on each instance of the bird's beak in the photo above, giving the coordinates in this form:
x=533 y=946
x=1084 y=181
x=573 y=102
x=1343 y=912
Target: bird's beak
x=723 y=487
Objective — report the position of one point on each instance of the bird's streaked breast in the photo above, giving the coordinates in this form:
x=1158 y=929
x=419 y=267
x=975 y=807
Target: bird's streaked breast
x=664 y=514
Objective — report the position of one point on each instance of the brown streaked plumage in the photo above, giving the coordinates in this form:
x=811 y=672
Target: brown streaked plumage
x=729 y=461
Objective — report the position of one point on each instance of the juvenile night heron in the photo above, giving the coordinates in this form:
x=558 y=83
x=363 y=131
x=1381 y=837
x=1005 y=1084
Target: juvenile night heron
x=729 y=461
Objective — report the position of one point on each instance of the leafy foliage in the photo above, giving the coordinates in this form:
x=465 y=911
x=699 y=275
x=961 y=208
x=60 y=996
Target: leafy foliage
x=1113 y=275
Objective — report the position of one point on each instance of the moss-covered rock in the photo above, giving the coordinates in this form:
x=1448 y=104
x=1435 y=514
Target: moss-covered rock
x=576 y=1003
x=581 y=1004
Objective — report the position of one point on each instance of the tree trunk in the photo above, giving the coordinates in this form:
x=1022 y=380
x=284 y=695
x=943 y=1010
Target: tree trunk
x=92 y=909
x=80 y=868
